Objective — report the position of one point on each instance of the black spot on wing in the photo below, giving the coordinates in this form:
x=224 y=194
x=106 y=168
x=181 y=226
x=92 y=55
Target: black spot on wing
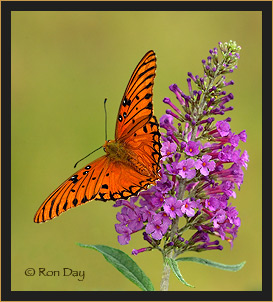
x=74 y=179
x=147 y=96
x=126 y=102
x=149 y=85
x=150 y=105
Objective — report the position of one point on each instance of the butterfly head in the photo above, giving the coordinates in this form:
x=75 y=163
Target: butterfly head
x=105 y=145
x=111 y=147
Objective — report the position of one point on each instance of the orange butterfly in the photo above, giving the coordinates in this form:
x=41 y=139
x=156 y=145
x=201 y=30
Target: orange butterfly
x=131 y=162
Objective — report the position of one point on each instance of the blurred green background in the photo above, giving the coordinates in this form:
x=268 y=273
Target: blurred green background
x=63 y=66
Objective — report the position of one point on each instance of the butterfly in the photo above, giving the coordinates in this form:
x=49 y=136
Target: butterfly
x=131 y=162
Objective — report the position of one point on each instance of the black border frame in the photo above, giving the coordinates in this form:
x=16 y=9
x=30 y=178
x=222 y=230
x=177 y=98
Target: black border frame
x=6 y=8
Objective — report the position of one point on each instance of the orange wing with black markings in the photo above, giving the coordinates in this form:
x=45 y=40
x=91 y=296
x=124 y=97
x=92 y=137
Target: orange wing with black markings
x=132 y=160
x=136 y=107
x=81 y=187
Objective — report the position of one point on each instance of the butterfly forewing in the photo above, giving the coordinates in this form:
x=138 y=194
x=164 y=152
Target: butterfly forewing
x=81 y=187
x=136 y=107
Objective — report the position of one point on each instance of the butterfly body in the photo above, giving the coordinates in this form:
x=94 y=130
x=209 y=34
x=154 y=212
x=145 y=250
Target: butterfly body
x=131 y=162
x=118 y=152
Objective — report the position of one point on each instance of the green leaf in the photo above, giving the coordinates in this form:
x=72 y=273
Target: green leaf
x=125 y=264
x=173 y=265
x=226 y=267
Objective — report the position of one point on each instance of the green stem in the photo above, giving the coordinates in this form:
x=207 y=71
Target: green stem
x=164 y=284
x=182 y=188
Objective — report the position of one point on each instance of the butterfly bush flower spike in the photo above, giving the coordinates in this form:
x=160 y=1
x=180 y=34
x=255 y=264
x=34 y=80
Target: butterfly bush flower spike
x=201 y=166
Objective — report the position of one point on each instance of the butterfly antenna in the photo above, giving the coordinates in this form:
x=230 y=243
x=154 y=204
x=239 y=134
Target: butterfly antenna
x=86 y=156
x=105 y=114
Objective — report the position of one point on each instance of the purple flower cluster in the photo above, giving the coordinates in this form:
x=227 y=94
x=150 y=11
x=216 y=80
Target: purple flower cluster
x=201 y=164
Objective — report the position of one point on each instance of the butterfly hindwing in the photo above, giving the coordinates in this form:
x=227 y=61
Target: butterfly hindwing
x=121 y=182
x=124 y=179
x=136 y=107
x=145 y=143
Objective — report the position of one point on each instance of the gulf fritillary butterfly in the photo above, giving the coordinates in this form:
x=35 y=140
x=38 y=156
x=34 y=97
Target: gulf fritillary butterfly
x=132 y=160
